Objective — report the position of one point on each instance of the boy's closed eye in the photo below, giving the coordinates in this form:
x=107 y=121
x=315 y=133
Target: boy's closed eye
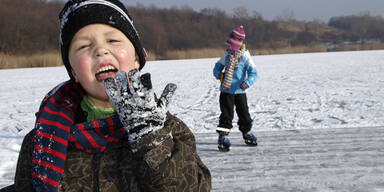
x=114 y=40
x=80 y=47
x=81 y=44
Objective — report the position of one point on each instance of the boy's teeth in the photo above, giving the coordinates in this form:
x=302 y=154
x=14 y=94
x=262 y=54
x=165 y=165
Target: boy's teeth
x=106 y=68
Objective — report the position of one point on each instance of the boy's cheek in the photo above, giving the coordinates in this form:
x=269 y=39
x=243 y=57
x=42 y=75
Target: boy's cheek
x=78 y=61
x=126 y=60
x=81 y=67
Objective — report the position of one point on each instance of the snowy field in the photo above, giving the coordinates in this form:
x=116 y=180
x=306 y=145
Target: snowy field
x=319 y=118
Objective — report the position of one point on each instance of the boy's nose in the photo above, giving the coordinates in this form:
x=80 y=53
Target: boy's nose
x=100 y=51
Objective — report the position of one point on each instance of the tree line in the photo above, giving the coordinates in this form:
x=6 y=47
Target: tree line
x=32 y=26
x=362 y=27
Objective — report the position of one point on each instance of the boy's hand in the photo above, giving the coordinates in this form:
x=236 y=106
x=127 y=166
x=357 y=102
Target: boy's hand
x=135 y=103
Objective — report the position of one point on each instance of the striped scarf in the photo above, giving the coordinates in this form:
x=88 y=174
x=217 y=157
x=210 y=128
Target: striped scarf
x=55 y=129
x=233 y=63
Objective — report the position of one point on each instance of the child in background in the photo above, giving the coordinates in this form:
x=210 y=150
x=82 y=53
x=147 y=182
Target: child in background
x=239 y=74
x=104 y=130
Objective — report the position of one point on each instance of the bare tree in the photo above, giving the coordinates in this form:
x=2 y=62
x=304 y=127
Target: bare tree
x=287 y=15
x=241 y=12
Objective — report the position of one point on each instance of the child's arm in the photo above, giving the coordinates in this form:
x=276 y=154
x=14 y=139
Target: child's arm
x=219 y=66
x=163 y=146
x=251 y=70
x=174 y=165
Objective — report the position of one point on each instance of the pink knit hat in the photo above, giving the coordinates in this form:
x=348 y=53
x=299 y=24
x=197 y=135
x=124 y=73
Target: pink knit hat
x=236 y=38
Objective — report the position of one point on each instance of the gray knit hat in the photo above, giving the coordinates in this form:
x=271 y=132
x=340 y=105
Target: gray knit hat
x=79 y=13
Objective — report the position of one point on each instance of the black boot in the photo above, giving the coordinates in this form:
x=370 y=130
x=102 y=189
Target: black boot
x=224 y=142
x=250 y=139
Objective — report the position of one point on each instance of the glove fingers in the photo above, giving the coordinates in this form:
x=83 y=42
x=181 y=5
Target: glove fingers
x=134 y=80
x=122 y=81
x=146 y=80
x=166 y=96
x=111 y=90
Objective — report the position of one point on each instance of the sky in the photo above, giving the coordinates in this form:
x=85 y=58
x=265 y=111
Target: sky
x=270 y=9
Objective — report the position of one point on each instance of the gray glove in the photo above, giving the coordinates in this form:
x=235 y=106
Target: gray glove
x=134 y=102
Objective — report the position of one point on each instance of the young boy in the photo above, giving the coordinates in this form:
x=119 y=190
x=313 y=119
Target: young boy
x=240 y=73
x=103 y=130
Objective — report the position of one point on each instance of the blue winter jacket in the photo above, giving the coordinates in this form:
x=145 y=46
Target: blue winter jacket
x=246 y=72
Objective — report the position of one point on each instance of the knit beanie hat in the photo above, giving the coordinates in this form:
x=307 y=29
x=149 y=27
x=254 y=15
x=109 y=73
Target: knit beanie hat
x=236 y=38
x=79 y=13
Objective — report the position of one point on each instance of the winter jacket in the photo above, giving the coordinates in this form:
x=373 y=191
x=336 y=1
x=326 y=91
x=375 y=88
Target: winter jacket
x=173 y=165
x=245 y=72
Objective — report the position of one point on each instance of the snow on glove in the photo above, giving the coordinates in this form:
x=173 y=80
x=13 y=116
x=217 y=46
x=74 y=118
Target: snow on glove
x=135 y=103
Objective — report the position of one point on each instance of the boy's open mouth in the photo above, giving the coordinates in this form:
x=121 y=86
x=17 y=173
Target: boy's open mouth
x=105 y=72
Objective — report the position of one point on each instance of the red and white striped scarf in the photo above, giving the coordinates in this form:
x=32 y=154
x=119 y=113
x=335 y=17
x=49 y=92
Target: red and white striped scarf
x=55 y=129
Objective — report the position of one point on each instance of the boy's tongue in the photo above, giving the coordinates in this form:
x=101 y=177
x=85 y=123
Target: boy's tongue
x=103 y=75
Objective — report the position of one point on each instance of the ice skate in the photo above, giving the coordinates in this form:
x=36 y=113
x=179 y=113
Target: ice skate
x=250 y=139
x=224 y=143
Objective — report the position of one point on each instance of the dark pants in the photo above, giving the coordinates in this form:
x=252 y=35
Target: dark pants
x=227 y=102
